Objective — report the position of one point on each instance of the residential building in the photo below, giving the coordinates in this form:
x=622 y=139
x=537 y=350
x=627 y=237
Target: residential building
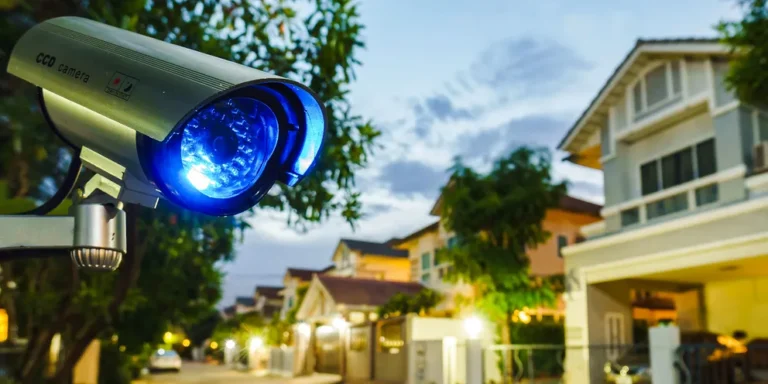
x=332 y=304
x=563 y=222
x=686 y=200
x=370 y=260
x=244 y=304
x=268 y=301
x=228 y=312
x=294 y=279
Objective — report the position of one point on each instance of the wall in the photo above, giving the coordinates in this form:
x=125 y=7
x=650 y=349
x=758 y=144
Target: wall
x=545 y=260
x=384 y=268
x=738 y=305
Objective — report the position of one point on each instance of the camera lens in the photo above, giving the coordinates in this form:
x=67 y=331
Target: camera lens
x=225 y=146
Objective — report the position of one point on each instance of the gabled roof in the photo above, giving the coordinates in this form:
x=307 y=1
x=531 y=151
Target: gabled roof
x=268 y=292
x=421 y=232
x=229 y=311
x=304 y=274
x=365 y=292
x=627 y=68
x=245 y=300
x=372 y=248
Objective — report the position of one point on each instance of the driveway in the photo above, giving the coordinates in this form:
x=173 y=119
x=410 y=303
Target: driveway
x=198 y=373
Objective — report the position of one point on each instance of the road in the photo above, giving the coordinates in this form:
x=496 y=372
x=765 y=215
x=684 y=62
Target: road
x=197 y=373
x=194 y=373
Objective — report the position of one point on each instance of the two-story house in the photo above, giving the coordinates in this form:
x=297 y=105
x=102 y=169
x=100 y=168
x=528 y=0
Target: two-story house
x=294 y=279
x=370 y=260
x=563 y=223
x=244 y=304
x=686 y=208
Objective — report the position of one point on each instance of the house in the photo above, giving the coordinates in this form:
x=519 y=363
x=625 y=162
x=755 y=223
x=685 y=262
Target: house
x=564 y=223
x=267 y=300
x=686 y=200
x=294 y=279
x=229 y=312
x=244 y=304
x=370 y=260
x=331 y=305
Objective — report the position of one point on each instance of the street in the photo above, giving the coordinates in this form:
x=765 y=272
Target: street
x=198 y=373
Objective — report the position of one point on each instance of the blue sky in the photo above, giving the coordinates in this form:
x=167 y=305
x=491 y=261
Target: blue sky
x=474 y=78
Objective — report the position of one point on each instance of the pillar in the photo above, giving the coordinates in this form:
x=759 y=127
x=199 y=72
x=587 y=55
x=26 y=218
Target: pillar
x=663 y=342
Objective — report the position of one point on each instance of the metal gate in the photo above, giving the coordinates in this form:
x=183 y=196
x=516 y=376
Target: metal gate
x=327 y=350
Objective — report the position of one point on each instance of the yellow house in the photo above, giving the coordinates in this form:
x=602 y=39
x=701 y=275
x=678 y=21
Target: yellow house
x=370 y=260
x=563 y=222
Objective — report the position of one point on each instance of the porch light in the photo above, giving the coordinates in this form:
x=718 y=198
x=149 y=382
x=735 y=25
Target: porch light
x=339 y=323
x=304 y=329
x=229 y=344
x=473 y=326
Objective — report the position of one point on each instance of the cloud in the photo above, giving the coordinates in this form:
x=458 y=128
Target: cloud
x=407 y=177
x=489 y=144
x=527 y=66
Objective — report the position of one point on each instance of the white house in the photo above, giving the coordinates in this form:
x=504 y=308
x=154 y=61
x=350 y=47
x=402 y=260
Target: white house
x=686 y=208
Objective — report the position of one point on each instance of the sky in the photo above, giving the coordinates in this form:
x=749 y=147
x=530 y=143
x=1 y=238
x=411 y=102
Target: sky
x=442 y=78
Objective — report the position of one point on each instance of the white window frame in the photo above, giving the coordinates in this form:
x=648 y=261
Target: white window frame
x=658 y=156
x=630 y=94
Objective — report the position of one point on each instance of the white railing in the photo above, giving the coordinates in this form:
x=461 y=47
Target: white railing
x=688 y=188
x=594 y=229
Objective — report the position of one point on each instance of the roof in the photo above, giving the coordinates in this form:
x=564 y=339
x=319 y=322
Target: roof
x=245 y=300
x=229 y=311
x=371 y=248
x=268 y=292
x=573 y=204
x=304 y=274
x=567 y=203
x=617 y=73
x=355 y=291
x=429 y=228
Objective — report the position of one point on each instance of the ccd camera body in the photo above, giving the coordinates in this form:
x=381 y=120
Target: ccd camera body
x=161 y=120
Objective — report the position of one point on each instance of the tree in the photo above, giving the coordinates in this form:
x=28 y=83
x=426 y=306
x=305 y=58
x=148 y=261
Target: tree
x=175 y=248
x=748 y=38
x=401 y=304
x=496 y=218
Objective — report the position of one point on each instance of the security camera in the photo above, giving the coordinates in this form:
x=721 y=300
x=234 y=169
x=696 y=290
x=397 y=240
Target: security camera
x=153 y=119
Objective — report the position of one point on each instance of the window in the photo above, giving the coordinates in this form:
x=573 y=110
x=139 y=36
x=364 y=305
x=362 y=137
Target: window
x=290 y=302
x=425 y=277
x=678 y=168
x=562 y=242
x=657 y=88
x=452 y=242
x=673 y=204
x=706 y=195
x=614 y=334
x=630 y=216
x=426 y=261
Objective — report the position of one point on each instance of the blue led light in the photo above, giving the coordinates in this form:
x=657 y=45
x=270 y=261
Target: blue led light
x=225 y=147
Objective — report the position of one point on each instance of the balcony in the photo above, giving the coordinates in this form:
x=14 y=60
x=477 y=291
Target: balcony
x=665 y=203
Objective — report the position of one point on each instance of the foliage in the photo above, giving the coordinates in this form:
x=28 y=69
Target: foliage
x=241 y=328
x=301 y=292
x=114 y=366
x=401 y=304
x=170 y=273
x=496 y=218
x=748 y=38
x=200 y=331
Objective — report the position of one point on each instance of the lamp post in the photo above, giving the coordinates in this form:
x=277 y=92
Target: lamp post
x=473 y=327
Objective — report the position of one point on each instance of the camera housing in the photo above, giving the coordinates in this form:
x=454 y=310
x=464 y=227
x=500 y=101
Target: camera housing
x=155 y=119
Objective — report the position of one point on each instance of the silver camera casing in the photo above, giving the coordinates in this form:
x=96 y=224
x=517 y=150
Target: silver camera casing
x=101 y=86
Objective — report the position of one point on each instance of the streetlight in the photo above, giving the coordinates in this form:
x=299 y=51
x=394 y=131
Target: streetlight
x=229 y=344
x=168 y=337
x=473 y=326
x=304 y=329
x=255 y=344
x=186 y=343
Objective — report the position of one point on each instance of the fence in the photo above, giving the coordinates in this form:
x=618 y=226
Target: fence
x=716 y=363
x=9 y=360
x=546 y=363
x=281 y=361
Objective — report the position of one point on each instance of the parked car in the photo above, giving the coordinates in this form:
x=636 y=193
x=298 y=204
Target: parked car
x=165 y=360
